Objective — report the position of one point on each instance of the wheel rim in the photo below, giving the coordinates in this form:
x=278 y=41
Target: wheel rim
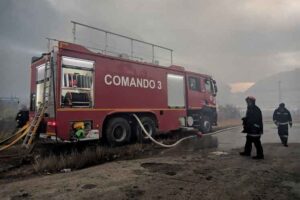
x=206 y=125
x=119 y=133
x=148 y=129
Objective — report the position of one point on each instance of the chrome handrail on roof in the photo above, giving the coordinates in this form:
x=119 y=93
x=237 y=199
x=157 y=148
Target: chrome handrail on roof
x=132 y=40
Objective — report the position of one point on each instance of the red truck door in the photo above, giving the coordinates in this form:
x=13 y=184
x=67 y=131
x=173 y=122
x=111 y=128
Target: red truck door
x=195 y=92
x=209 y=92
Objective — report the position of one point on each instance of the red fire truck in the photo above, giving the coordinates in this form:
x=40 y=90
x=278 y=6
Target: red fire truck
x=94 y=95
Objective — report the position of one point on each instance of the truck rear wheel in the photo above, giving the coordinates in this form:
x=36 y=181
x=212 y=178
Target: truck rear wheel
x=118 y=131
x=150 y=127
x=205 y=124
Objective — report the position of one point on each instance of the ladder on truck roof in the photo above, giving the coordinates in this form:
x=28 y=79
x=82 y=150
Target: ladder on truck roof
x=38 y=117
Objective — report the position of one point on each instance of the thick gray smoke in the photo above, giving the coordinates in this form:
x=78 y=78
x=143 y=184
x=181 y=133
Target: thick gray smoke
x=235 y=41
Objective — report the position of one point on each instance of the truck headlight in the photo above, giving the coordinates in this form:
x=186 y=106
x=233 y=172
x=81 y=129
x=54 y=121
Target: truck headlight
x=190 y=121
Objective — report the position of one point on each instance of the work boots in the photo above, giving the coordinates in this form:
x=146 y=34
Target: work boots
x=258 y=157
x=244 y=154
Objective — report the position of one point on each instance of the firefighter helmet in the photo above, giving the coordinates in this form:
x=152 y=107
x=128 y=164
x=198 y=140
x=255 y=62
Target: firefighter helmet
x=252 y=98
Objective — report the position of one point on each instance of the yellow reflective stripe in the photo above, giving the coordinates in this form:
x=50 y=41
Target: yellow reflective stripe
x=285 y=123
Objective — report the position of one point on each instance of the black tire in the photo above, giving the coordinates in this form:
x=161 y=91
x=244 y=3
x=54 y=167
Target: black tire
x=205 y=124
x=118 y=131
x=150 y=127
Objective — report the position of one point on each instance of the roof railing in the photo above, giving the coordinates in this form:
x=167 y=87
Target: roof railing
x=132 y=40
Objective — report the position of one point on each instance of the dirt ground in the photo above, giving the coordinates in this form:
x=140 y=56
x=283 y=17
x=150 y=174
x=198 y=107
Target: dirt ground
x=201 y=168
x=180 y=173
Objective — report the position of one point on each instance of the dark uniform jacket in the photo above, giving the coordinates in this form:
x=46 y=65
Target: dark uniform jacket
x=253 y=123
x=22 y=118
x=282 y=116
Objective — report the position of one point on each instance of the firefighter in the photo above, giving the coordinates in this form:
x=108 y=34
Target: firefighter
x=282 y=118
x=253 y=126
x=22 y=117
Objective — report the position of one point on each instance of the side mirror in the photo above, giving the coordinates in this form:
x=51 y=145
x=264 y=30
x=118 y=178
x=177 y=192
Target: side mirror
x=215 y=87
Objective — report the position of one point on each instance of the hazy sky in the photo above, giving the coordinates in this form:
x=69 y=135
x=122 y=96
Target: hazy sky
x=234 y=40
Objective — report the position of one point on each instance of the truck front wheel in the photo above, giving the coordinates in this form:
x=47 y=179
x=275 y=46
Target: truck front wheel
x=205 y=125
x=118 y=131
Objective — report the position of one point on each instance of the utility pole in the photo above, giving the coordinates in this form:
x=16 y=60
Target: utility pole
x=279 y=92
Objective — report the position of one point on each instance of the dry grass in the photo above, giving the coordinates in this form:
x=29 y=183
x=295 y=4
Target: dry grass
x=100 y=154
x=7 y=127
x=88 y=157
x=5 y=134
x=93 y=155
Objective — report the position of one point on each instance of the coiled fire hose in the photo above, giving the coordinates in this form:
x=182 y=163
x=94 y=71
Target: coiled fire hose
x=178 y=141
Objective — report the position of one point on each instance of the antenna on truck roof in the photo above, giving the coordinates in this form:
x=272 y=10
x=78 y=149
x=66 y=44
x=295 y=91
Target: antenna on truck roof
x=132 y=40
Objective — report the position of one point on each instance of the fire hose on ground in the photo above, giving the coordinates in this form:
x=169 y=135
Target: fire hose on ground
x=178 y=141
x=15 y=138
x=22 y=132
x=14 y=135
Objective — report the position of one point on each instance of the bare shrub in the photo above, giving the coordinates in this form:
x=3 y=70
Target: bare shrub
x=88 y=157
